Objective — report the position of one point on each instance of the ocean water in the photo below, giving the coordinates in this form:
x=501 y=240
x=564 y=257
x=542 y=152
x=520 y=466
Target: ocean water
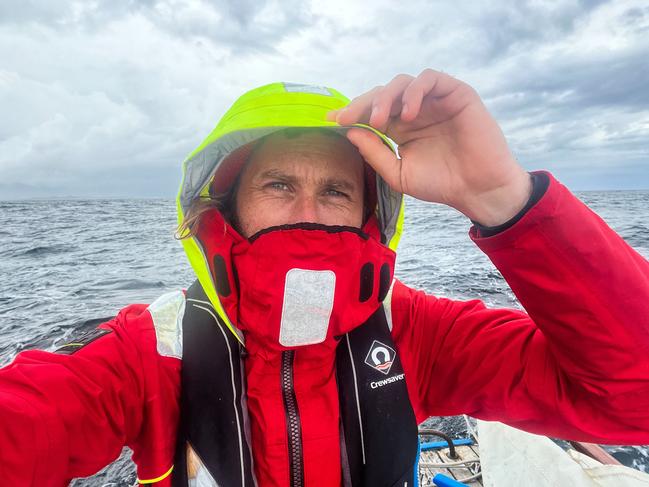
x=66 y=261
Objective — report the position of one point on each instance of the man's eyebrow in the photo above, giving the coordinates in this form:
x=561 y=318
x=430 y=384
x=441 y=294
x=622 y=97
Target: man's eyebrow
x=276 y=174
x=336 y=183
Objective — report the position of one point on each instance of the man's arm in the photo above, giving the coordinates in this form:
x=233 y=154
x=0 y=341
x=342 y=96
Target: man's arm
x=69 y=414
x=577 y=367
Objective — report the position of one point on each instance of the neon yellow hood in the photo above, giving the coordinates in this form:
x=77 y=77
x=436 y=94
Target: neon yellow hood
x=256 y=114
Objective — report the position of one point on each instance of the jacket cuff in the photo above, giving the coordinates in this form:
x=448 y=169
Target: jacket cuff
x=540 y=183
x=535 y=213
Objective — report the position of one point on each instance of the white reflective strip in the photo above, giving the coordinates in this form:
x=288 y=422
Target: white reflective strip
x=387 y=306
x=237 y=331
x=201 y=302
x=246 y=420
x=234 y=390
x=167 y=312
x=301 y=88
x=307 y=307
x=358 y=404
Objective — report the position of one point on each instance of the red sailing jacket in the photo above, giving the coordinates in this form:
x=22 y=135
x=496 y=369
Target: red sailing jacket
x=576 y=366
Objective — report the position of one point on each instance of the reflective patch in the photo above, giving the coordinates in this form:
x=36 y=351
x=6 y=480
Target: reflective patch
x=308 y=303
x=81 y=341
x=313 y=89
x=167 y=312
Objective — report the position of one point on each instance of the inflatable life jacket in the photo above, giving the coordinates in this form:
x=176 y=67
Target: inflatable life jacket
x=289 y=370
x=378 y=433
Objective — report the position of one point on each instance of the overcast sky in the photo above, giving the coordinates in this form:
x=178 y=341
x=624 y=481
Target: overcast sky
x=106 y=98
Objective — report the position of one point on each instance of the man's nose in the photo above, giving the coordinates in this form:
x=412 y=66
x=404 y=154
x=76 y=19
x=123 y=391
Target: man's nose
x=306 y=210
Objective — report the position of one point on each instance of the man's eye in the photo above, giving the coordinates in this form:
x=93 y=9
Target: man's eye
x=336 y=193
x=277 y=185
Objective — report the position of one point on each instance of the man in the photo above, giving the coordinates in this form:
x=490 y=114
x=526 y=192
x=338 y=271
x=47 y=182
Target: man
x=303 y=361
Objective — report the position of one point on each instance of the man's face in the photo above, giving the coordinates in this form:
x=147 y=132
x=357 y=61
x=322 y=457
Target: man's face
x=313 y=178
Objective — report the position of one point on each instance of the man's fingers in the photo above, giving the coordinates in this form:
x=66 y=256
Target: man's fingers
x=429 y=82
x=401 y=100
x=387 y=101
x=377 y=105
x=377 y=155
x=358 y=110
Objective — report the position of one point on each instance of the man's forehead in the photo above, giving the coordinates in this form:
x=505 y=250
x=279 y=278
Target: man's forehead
x=281 y=147
x=317 y=148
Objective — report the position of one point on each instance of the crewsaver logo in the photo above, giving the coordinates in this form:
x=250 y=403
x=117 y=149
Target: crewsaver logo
x=380 y=357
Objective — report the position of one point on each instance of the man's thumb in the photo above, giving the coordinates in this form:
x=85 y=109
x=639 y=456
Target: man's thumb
x=377 y=155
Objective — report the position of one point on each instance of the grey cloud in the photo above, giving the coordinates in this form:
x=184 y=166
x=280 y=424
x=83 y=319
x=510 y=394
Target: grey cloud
x=609 y=79
x=240 y=26
x=518 y=26
x=65 y=138
x=33 y=11
x=603 y=77
x=109 y=99
x=585 y=106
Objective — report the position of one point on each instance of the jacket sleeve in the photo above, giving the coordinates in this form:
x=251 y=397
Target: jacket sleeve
x=576 y=366
x=69 y=415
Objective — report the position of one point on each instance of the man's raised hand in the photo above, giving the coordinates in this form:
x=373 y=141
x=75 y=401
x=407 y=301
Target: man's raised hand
x=451 y=150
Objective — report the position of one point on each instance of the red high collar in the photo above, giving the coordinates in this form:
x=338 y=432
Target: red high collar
x=297 y=285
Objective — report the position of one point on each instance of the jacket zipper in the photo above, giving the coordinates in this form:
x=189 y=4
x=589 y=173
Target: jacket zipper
x=293 y=426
